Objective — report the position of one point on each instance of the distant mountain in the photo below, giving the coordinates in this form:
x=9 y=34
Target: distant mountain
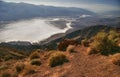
x=90 y=1
x=115 y=13
x=15 y=11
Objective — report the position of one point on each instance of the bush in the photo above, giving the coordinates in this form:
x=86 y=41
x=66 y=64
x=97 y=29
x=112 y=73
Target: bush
x=8 y=57
x=91 y=51
x=116 y=59
x=85 y=42
x=114 y=36
x=105 y=43
x=35 y=62
x=28 y=70
x=19 y=67
x=34 y=55
x=65 y=43
x=6 y=74
x=57 y=58
x=71 y=48
x=3 y=67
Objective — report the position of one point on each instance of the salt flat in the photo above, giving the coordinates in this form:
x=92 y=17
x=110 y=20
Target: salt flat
x=32 y=30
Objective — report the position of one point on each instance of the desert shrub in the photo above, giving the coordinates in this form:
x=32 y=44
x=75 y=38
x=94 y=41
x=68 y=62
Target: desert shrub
x=28 y=70
x=3 y=67
x=19 y=67
x=47 y=55
x=85 y=42
x=1 y=60
x=6 y=74
x=57 y=58
x=34 y=55
x=116 y=59
x=70 y=48
x=91 y=51
x=8 y=57
x=64 y=44
x=35 y=62
x=114 y=36
x=104 y=43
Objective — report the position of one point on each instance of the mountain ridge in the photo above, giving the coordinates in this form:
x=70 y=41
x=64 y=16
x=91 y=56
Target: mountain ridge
x=16 y=11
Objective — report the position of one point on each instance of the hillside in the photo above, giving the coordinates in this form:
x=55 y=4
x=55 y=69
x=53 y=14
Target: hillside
x=79 y=35
x=77 y=60
x=7 y=53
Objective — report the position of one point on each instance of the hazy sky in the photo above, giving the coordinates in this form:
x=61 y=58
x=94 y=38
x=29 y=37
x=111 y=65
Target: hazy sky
x=94 y=5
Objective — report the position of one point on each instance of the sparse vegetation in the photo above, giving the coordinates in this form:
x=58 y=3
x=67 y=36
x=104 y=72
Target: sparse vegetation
x=105 y=43
x=70 y=48
x=3 y=67
x=6 y=74
x=35 y=62
x=91 y=51
x=8 y=57
x=28 y=70
x=85 y=42
x=34 y=55
x=19 y=67
x=65 y=43
x=116 y=59
x=57 y=58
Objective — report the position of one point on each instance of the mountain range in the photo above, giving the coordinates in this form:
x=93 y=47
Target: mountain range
x=15 y=11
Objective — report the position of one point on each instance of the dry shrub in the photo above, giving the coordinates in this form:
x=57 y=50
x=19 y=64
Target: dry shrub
x=47 y=55
x=65 y=43
x=105 y=43
x=91 y=51
x=28 y=70
x=58 y=58
x=5 y=74
x=35 y=62
x=85 y=42
x=116 y=59
x=8 y=57
x=4 y=67
x=19 y=67
x=70 y=48
x=34 y=55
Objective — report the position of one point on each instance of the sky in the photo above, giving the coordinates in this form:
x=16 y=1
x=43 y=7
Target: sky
x=93 y=5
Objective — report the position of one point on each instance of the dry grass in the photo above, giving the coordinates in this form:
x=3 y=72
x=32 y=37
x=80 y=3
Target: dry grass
x=71 y=48
x=28 y=70
x=65 y=43
x=36 y=62
x=116 y=59
x=91 y=51
x=19 y=67
x=57 y=58
x=5 y=74
x=85 y=43
x=34 y=55
x=106 y=43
